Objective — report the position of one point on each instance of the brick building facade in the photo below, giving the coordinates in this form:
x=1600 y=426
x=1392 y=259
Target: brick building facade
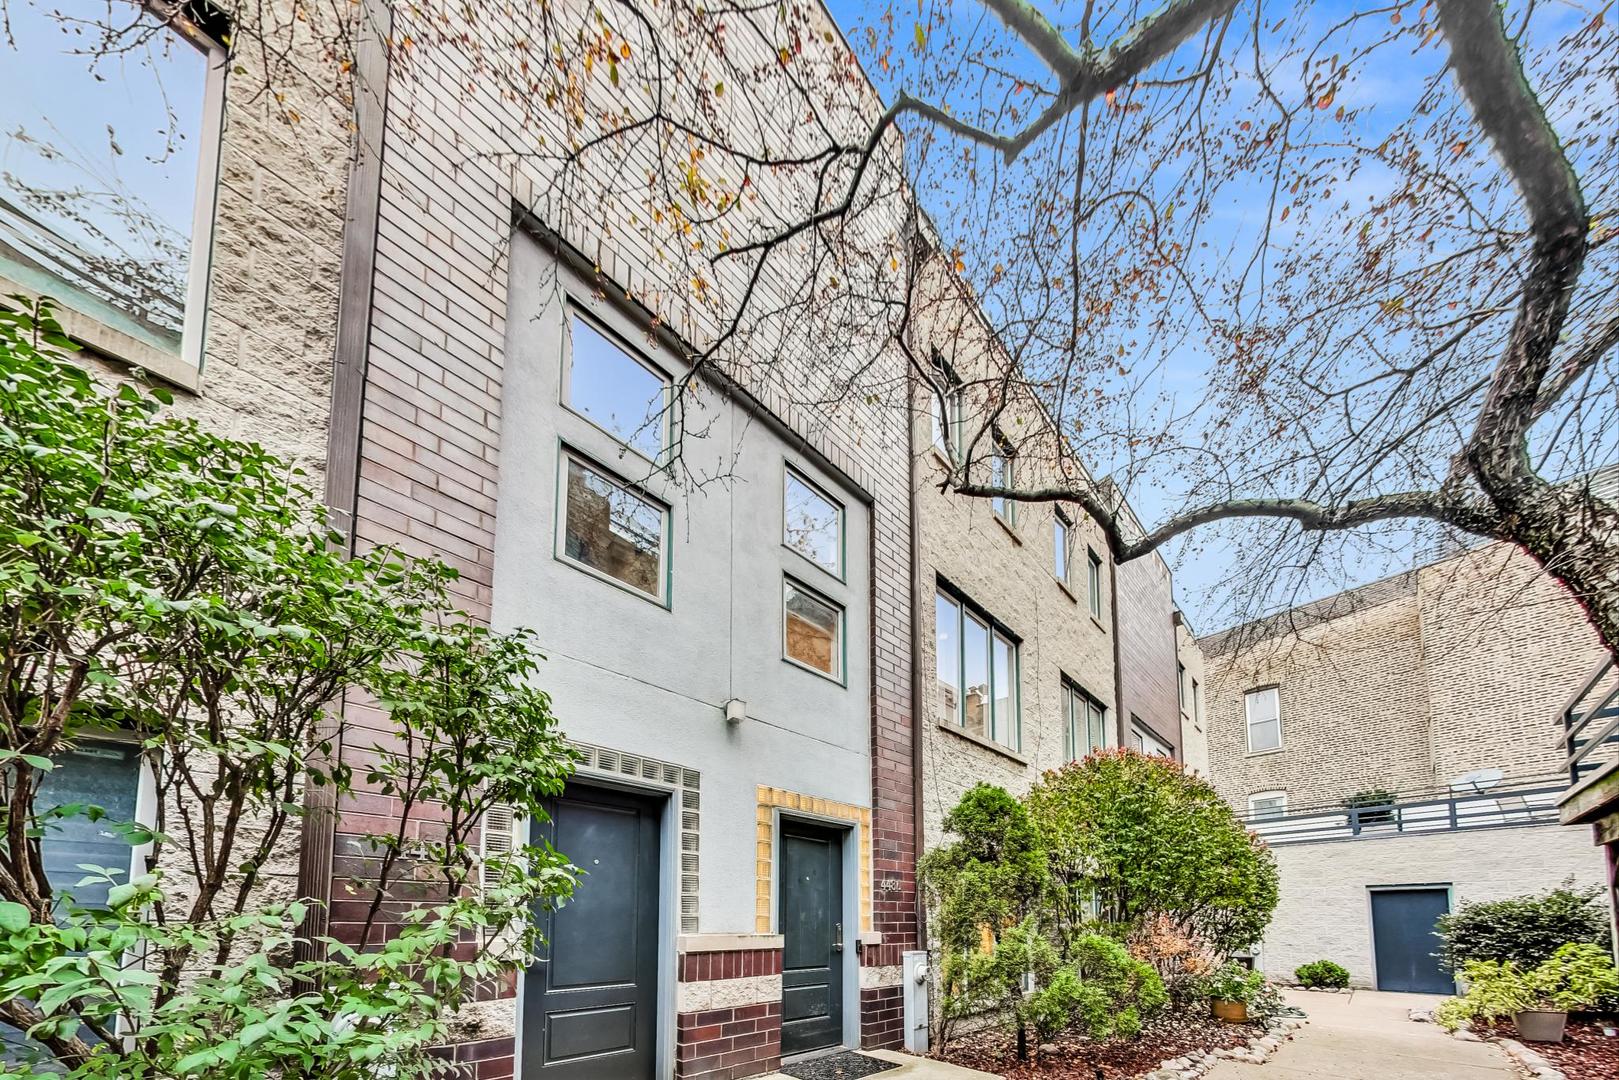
x=1431 y=696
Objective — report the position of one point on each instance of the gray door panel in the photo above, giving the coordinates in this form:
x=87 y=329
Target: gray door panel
x=590 y=1005
x=811 y=895
x=1403 y=940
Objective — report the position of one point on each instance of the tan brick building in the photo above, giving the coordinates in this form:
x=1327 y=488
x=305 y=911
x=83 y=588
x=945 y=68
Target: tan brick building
x=1433 y=695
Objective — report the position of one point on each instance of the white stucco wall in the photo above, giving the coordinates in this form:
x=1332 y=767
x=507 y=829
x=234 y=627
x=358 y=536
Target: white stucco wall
x=1325 y=908
x=627 y=673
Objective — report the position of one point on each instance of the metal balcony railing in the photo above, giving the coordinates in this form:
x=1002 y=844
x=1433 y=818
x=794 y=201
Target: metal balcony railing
x=1590 y=721
x=1511 y=804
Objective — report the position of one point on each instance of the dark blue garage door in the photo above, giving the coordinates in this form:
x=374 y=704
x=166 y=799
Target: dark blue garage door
x=1403 y=940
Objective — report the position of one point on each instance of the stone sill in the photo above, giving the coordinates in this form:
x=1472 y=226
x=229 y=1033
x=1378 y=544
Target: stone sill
x=701 y=943
x=1011 y=530
x=987 y=744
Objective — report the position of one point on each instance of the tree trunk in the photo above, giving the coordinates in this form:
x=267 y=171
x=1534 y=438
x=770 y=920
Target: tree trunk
x=1574 y=535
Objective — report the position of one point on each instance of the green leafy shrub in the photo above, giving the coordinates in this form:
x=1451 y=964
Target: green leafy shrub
x=183 y=590
x=1524 y=929
x=1120 y=991
x=1137 y=836
x=1233 y=982
x=1574 y=977
x=1322 y=973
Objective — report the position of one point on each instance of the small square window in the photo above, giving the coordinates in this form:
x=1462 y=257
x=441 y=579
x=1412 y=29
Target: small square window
x=813 y=630
x=1093 y=581
x=812 y=524
x=614 y=389
x=611 y=530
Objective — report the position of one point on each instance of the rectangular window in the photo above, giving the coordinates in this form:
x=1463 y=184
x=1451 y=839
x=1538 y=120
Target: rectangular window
x=812 y=630
x=812 y=524
x=1093 y=581
x=1086 y=721
x=1003 y=474
x=1267 y=805
x=1264 y=719
x=102 y=774
x=1197 y=702
x=1061 y=540
x=1144 y=740
x=108 y=171
x=614 y=389
x=946 y=409
x=977 y=669
x=612 y=530
x=1180 y=684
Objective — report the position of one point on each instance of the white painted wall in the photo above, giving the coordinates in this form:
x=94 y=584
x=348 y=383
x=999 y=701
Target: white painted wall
x=629 y=674
x=1325 y=908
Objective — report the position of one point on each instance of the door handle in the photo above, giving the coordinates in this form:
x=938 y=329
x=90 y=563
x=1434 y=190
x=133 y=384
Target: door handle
x=837 y=937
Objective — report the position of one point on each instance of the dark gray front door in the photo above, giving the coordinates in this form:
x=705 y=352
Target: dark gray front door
x=812 y=926
x=590 y=1006
x=1403 y=940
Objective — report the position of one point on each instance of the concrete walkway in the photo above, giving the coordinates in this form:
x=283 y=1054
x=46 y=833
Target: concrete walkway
x=1368 y=1035
x=912 y=1068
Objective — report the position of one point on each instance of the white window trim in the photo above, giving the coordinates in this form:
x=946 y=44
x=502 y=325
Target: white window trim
x=1260 y=796
x=1005 y=454
x=572 y=308
x=1248 y=719
x=1059 y=520
x=840 y=646
x=790 y=471
x=560 y=550
x=1093 y=583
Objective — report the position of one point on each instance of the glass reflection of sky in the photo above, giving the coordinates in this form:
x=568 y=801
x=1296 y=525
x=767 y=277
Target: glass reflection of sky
x=614 y=390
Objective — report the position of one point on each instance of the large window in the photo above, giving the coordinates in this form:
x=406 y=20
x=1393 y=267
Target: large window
x=1264 y=719
x=1267 y=805
x=607 y=384
x=612 y=530
x=812 y=630
x=1093 y=582
x=1086 y=722
x=812 y=524
x=108 y=166
x=977 y=670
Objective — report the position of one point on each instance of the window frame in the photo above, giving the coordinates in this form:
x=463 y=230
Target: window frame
x=184 y=368
x=1093 y=582
x=572 y=308
x=664 y=599
x=840 y=650
x=997 y=631
x=791 y=472
x=145 y=812
x=1248 y=718
x=1197 y=700
x=1074 y=695
x=1062 y=530
x=1180 y=685
x=1003 y=458
x=938 y=404
x=1140 y=733
x=1253 y=811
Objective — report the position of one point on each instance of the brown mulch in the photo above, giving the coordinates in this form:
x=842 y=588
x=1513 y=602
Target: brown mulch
x=1078 y=1058
x=1584 y=1054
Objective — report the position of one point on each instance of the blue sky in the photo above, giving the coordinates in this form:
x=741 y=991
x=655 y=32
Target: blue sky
x=1380 y=94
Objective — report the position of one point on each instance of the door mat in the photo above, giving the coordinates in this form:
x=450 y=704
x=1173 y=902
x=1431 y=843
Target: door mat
x=848 y=1065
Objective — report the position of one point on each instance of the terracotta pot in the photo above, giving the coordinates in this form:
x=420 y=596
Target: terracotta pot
x=1232 y=1012
x=1540 y=1025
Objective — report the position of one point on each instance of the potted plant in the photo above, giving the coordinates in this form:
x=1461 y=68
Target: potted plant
x=1230 y=990
x=1575 y=977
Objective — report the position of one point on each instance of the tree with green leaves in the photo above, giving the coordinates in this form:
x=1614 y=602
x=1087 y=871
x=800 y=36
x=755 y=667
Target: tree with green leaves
x=179 y=592
x=1133 y=836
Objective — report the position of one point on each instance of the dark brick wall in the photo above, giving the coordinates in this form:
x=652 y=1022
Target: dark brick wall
x=882 y=1017
x=723 y=1044
x=739 y=964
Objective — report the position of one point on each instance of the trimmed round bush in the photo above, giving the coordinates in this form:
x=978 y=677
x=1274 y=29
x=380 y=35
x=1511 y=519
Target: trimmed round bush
x=1322 y=974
